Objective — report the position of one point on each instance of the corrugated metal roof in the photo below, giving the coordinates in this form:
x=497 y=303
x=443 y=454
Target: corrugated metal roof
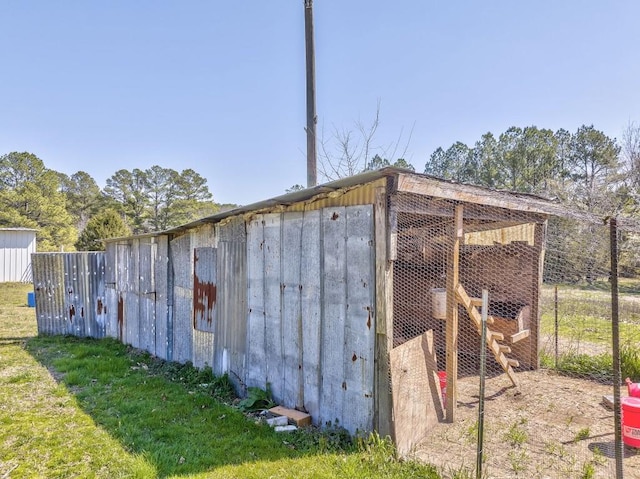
x=18 y=229
x=541 y=204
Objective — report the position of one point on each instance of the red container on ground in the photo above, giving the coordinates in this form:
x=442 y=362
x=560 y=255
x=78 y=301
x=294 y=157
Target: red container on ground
x=631 y=421
x=442 y=376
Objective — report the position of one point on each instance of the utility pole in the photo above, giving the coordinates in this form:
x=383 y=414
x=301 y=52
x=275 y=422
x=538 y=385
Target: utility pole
x=312 y=175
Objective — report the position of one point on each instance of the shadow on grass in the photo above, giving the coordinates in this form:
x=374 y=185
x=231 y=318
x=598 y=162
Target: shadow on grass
x=161 y=410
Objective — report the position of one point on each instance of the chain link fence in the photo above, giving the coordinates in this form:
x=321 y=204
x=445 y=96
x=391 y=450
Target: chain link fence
x=549 y=388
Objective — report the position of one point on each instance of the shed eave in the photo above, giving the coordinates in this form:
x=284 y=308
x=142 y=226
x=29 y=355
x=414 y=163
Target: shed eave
x=439 y=188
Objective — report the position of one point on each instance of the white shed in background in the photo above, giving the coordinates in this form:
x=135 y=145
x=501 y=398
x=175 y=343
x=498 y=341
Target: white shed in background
x=16 y=246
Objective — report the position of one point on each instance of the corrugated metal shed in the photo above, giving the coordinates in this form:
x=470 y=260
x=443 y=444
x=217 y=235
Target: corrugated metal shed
x=16 y=247
x=295 y=292
x=70 y=293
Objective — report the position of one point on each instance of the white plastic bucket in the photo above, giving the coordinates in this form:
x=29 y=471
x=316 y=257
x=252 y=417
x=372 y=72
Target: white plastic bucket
x=439 y=303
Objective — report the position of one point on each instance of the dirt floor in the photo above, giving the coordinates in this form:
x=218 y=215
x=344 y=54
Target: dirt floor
x=549 y=427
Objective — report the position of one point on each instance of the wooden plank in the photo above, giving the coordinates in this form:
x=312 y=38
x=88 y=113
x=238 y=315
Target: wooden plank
x=452 y=316
x=310 y=306
x=384 y=320
x=476 y=194
x=513 y=363
x=504 y=349
x=520 y=335
x=256 y=359
x=290 y=254
x=416 y=391
x=334 y=314
x=359 y=327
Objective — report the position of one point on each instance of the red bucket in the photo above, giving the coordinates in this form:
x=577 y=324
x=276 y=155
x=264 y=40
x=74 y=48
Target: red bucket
x=631 y=421
x=442 y=376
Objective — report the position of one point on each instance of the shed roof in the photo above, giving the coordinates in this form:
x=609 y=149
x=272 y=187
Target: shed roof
x=18 y=229
x=402 y=180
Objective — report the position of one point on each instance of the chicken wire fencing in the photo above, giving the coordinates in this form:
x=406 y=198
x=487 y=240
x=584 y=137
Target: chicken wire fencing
x=548 y=399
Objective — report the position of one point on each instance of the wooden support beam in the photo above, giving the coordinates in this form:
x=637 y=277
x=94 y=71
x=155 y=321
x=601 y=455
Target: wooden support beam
x=520 y=335
x=453 y=278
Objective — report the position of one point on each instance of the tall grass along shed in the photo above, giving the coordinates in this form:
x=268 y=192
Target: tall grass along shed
x=344 y=299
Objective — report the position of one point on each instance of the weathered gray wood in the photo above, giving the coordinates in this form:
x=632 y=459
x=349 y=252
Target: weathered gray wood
x=384 y=325
x=291 y=248
x=256 y=355
x=359 y=327
x=310 y=306
x=273 y=304
x=416 y=391
x=334 y=314
x=479 y=195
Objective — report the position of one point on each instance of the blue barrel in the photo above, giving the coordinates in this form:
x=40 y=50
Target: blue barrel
x=31 y=299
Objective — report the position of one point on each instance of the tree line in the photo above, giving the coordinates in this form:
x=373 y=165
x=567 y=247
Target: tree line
x=73 y=212
x=586 y=170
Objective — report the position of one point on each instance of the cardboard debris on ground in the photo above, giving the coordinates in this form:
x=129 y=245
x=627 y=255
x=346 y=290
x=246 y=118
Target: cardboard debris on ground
x=300 y=418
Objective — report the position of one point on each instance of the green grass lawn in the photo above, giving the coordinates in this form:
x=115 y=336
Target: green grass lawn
x=584 y=312
x=86 y=408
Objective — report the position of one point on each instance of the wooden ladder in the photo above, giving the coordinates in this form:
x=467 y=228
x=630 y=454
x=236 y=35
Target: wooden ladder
x=493 y=337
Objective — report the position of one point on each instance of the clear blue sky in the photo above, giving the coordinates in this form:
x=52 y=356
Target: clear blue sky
x=219 y=86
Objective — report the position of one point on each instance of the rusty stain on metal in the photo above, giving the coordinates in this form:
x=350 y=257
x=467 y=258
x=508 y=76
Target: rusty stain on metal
x=344 y=385
x=203 y=291
x=354 y=358
x=100 y=307
x=368 y=317
x=72 y=313
x=82 y=312
x=335 y=216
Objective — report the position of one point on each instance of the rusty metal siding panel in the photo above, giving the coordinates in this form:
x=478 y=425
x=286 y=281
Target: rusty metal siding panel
x=131 y=296
x=111 y=297
x=334 y=260
x=181 y=258
x=311 y=328
x=256 y=374
x=110 y=263
x=291 y=315
x=274 y=356
x=203 y=343
x=160 y=270
x=147 y=295
x=231 y=325
x=16 y=247
x=205 y=288
x=70 y=293
x=360 y=321
x=310 y=307
x=48 y=280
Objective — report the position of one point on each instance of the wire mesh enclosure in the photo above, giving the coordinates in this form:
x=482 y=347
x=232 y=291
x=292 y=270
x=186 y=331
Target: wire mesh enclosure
x=549 y=388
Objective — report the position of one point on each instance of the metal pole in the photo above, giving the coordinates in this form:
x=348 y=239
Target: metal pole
x=555 y=307
x=312 y=178
x=615 y=330
x=483 y=373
